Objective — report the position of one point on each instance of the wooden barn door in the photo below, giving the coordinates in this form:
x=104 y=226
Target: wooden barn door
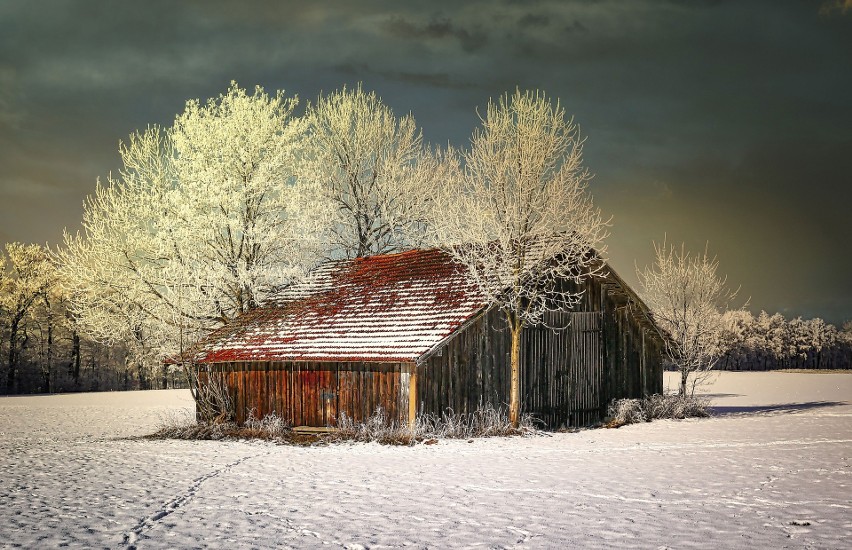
x=315 y=394
x=563 y=369
x=586 y=368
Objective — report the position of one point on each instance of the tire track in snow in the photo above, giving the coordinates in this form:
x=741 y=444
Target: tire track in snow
x=131 y=537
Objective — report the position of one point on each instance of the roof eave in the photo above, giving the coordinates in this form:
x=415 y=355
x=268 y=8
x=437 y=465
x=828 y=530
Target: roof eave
x=458 y=330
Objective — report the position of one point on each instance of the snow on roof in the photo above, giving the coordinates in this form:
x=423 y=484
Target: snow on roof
x=386 y=308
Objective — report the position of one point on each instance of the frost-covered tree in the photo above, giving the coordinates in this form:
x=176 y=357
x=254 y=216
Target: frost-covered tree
x=822 y=337
x=845 y=334
x=40 y=337
x=737 y=327
x=687 y=297
x=767 y=342
x=204 y=220
x=519 y=216
x=769 y=337
x=26 y=276
x=366 y=161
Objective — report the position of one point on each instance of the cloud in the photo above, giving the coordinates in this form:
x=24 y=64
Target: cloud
x=433 y=80
x=11 y=110
x=435 y=29
x=533 y=20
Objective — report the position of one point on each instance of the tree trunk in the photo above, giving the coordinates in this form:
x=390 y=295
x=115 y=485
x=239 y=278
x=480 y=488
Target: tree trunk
x=76 y=360
x=514 y=397
x=13 y=356
x=49 y=358
x=96 y=379
x=126 y=372
x=142 y=375
x=684 y=376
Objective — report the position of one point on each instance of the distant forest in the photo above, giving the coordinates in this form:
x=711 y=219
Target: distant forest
x=42 y=347
x=768 y=342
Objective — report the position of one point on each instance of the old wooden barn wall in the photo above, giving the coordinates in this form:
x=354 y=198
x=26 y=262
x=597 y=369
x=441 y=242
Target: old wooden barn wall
x=572 y=366
x=316 y=393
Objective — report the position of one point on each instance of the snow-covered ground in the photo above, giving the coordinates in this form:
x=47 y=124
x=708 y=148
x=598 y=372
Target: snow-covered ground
x=772 y=470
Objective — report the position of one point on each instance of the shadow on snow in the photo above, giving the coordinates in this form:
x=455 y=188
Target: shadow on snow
x=782 y=408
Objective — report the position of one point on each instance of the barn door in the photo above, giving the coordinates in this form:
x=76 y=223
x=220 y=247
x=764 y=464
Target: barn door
x=563 y=369
x=586 y=368
x=315 y=394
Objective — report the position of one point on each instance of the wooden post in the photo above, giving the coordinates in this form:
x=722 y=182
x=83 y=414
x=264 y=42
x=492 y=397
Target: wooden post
x=412 y=395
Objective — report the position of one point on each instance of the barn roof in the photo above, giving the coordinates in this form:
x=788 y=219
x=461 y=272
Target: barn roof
x=388 y=308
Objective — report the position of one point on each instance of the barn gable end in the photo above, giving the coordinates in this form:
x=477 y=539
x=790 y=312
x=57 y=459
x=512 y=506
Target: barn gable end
x=572 y=365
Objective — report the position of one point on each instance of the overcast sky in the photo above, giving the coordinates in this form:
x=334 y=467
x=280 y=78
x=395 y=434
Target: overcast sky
x=720 y=121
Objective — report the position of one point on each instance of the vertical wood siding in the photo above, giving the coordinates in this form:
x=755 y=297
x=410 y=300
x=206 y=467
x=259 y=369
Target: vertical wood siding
x=572 y=365
x=316 y=393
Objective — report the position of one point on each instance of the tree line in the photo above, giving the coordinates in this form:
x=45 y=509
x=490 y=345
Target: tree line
x=767 y=342
x=43 y=347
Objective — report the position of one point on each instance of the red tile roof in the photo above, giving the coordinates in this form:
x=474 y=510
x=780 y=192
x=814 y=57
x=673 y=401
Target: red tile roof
x=388 y=308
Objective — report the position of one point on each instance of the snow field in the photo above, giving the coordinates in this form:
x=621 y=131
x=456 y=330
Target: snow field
x=772 y=470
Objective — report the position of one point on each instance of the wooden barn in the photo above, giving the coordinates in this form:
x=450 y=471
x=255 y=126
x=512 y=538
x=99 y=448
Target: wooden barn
x=407 y=333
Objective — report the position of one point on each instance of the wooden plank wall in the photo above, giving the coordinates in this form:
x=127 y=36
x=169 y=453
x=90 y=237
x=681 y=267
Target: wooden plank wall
x=472 y=368
x=602 y=351
x=633 y=353
x=316 y=393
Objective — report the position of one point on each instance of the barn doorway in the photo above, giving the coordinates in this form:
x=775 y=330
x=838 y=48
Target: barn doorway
x=563 y=374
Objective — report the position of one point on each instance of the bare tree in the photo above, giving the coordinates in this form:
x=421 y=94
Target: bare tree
x=688 y=299
x=30 y=276
x=519 y=216
x=365 y=159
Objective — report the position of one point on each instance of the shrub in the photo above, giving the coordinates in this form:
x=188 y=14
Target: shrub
x=657 y=406
x=270 y=427
x=625 y=411
x=378 y=427
x=675 y=406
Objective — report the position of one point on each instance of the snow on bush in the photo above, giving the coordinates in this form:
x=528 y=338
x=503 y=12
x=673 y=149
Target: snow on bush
x=654 y=407
x=270 y=427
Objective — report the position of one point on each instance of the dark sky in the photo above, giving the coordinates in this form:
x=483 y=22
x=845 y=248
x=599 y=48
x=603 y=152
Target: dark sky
x=720 y=121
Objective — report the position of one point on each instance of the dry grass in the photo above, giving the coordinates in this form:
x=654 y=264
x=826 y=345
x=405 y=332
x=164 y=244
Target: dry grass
x=486 y=421
x=654 y=407
x=269 y=428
